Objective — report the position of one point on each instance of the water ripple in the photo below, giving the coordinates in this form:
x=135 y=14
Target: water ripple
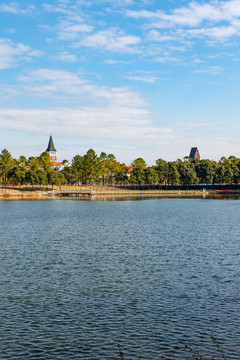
x=78 y=278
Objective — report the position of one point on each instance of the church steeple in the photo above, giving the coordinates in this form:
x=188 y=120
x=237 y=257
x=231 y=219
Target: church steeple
x=194 y=153
x=51 y=150
x=51 y=146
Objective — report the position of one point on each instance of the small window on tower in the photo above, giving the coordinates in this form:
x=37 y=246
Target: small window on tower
x=53 y=157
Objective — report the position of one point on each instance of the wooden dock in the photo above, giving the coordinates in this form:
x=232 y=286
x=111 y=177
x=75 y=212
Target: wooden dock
x=74 y=193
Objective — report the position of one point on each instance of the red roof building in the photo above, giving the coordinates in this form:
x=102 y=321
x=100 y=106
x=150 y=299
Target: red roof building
x=53 y=153
x=194 y=153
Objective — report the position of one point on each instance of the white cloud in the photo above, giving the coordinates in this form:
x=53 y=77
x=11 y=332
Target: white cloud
x=11 y=54
x=127 y=130
x=115 y=123
x=144 y=78
x=212 y=70
x=123 y=128
x=199 y=61
x=65 y=57
x=99 y=112
x=193 y=14
x=72 y=27
x=155 y=35
x=112 y=62
x=61 y=8
x=113 y=40
x=14 y=8
x=165 y=59
x=190 y=125
x=141 y=75
x=59 y=86
x=117 y=3
x=51 y=83
x=201 y=19
x=217 y=33
x=71 y=24
x=71 y=31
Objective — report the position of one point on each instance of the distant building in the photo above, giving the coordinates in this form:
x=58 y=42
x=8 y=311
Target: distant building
x=194 y=153
x=51 y=150
x=53 y=154
x=128 y=170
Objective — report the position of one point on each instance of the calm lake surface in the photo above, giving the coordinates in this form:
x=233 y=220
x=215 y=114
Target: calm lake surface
x=77 y=278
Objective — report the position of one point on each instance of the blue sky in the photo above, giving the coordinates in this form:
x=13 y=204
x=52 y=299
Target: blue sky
x=130 y=77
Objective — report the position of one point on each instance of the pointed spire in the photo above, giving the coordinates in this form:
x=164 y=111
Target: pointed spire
x=51 y=146
x=194 y=153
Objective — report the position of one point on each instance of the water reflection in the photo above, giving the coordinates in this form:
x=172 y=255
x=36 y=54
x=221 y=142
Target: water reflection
x=140 y=197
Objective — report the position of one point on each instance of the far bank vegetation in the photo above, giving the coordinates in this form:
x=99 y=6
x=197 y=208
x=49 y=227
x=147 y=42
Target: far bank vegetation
x=91 y=169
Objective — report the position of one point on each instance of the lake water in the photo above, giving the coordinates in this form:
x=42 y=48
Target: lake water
x=77 y=278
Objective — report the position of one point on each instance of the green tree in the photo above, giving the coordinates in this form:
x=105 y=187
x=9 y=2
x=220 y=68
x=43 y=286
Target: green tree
x=219 y=174
x=137 y=176
x=78 y=167
x=31 y=177
x=61 y=179
x=235 y=165
x=187 y=173
x=205 y=170
x=173 y=176
x=45 y=162
x=55 y=178
x=90 y=166
x=70 y=174
x=139 y=163
x=113 y=167
x=162 y=170
x=42 y=177
x=6 y=164
x=120 y=177
x=102 y=167
x=22 y=161
x=33 y=163
x=227 y=170
x=151 y=175
x=17 y=175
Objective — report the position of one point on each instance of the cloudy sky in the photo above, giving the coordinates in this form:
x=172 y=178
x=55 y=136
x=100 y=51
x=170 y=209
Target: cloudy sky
x=134 y=78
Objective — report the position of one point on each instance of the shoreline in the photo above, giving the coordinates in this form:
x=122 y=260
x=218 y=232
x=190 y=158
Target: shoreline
x=98 y=193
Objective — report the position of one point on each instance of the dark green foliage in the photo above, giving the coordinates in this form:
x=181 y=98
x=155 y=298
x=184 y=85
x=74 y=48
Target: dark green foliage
x=120 y=177
x=6 y=164
x=205 y=170
x=31 y=177
x=44 y=161
x=106 y=170
x=17 y=175
x=150 y=175
x=89 y=166
x=187 y=173
x=162 y=170
x=173 y=176
x=139 y=163
x=137 y=176
x=77 y=168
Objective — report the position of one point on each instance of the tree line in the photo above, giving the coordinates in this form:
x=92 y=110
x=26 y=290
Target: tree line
x=106 y=170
